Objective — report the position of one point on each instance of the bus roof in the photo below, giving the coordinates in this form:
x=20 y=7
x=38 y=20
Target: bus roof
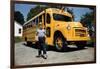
x=59 y=11
x=33 y=18
x=54 y=10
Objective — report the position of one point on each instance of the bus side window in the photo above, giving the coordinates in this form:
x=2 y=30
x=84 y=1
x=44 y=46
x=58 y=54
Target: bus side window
x=28 y=25
x=37 y=21
x=48 y=32
x=24 y=27
x=48 y=18
x=33 y=23
x=44 y=18
x=40 y=18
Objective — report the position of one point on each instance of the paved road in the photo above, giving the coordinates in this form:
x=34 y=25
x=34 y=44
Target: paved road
x=26 y=55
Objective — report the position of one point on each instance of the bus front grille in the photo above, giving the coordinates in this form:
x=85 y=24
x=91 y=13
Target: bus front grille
x=80 y=32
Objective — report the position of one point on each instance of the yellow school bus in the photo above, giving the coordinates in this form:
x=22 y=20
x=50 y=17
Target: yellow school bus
x=60 y=29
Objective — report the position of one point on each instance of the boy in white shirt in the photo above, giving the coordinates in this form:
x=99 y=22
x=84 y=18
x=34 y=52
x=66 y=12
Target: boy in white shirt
x=41 y=33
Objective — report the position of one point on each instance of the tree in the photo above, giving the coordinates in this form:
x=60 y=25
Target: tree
x=35 y=11
x=71 y=12
x=88 y=19
x=18 y=16
x=40 y=8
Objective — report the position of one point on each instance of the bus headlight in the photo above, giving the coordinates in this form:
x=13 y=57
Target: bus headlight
x=88 y=35
x=68 y=27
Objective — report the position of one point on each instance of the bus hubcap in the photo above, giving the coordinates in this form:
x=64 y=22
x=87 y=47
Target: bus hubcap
x=59 y=43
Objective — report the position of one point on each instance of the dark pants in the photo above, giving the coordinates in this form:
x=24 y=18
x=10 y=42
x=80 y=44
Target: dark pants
x=42 y=46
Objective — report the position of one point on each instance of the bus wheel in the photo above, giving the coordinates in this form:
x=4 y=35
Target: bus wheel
x=59 y=43
x=81 y=45
x=29 y=43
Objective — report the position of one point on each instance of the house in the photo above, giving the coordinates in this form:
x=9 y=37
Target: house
x=18 y=29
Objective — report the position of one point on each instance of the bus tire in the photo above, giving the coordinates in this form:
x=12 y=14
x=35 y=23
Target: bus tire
x=29 y=43
x=81 y=45
x=60 y=43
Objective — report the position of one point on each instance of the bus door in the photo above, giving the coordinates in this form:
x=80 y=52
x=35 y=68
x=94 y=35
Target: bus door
x=48 y=28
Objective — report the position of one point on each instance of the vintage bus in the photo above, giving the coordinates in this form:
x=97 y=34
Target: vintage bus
x=60 y=29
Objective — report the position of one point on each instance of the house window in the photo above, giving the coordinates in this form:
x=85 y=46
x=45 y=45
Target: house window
x=19 y=30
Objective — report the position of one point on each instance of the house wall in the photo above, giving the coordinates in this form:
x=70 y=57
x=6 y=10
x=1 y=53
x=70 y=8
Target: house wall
x=17 y=26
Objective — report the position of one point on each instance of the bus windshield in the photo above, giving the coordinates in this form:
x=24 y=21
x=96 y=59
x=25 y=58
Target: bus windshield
x=60 y=17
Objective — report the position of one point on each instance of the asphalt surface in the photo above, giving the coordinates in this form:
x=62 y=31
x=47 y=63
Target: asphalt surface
x=26 y=55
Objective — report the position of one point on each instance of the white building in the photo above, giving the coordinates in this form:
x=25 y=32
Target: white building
x=18 y=29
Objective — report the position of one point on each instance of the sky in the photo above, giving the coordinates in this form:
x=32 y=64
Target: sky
x=25 y=8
